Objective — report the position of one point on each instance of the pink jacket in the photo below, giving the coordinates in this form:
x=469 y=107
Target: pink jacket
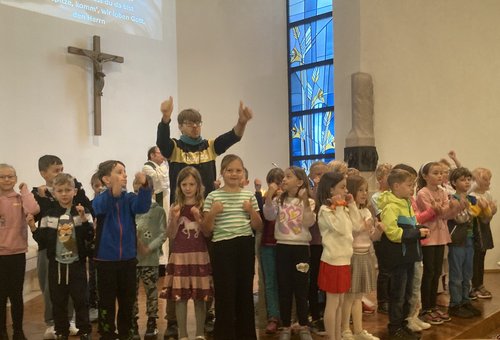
x=13 y=228
x=439 y=234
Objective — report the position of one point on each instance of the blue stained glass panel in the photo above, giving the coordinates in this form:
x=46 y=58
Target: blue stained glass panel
x=313 y=134
x=312 y=88
x=303 y=9
x=311 y=42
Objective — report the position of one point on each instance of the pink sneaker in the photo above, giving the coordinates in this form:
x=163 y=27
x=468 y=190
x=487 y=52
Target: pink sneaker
x=442 y=314
x=432 y=318
x=272 y=326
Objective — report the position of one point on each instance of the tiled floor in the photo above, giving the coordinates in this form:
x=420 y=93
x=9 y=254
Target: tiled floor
x=34 y=326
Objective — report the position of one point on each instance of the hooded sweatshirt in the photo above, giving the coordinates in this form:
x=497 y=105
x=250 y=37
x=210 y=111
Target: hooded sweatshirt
x=400 y=241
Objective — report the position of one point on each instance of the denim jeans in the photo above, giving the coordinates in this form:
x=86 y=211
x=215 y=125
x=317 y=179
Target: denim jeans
x=460 y=261
x=400 y=294
x=268 y=263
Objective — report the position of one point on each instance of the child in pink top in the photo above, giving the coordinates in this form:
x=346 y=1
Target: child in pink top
x=14 y=244
x=431 y=195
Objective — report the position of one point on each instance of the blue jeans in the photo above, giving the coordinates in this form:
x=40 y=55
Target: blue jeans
x=268 y=263
x=400 y=294
x=460 y=263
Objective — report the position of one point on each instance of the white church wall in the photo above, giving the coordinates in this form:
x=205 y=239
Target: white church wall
x=45 y=93
x=434 y=65
x=232 y=50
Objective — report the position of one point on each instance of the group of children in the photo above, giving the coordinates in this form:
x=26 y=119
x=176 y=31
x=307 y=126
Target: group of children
x=315 y=238
x=61 y=219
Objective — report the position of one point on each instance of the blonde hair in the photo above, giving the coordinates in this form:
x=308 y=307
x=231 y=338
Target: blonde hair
x=7 y=166
x=63 y=179
x=353 y=172
x=444 y=161
x=180 y=199
x=382 y=170
x=480 y=172
x=228 y=159
x=338 y=166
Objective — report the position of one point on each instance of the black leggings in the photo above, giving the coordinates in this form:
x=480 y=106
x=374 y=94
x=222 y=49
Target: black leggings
x=433 y=267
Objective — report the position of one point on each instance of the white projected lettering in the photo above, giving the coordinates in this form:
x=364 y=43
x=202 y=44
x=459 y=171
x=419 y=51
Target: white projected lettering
x=141 y=17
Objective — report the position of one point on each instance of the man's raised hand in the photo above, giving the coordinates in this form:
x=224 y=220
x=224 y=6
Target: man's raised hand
x=166 y=108
x=244 y=113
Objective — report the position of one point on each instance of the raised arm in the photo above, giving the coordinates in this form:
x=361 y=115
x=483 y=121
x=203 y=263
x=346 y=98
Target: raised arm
x=173 y=221
x=270 y=209
x=163 y=140
x=30 y=206
x=142 y=202
x=244 y=115
x=309 y=217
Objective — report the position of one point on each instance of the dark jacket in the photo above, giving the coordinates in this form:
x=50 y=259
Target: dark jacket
x=201 y=156
x=46 y=234
x=116 y=228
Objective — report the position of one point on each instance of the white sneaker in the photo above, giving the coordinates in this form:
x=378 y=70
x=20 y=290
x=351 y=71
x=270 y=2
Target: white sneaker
x=421 y=324
x=413 y=325
x=347 y=335
x=364 y=335
x=72 y=328
x=50 y=333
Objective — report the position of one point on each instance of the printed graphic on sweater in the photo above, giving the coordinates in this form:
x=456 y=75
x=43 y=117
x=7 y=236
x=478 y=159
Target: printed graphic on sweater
x=291 y=219
x=66 y=249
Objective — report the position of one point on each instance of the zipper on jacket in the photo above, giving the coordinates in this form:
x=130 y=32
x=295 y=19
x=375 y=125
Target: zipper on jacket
x=121 y=228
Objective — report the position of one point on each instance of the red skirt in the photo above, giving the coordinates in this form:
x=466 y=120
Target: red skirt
x=334 y=279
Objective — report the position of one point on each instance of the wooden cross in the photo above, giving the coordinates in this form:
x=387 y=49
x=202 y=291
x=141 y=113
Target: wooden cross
x=98 y=59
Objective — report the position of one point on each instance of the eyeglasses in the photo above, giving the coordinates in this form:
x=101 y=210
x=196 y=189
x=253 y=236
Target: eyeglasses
x=192 y=124
x=7 y=177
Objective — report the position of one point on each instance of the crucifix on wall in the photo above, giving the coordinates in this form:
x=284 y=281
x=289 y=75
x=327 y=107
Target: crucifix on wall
x=98 y=59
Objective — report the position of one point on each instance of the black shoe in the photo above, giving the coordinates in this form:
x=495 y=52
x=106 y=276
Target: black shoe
x=4 y=335
x=18 y=335
x=412 y=334
x=460 y=312
x=151 y=330
x=172 y=331
x=401 y=334
x=61 y=337
x=472 y=309
x=383 y=308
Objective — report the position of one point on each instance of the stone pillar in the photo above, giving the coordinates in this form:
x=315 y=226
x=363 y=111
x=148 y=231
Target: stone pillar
x=360 y=151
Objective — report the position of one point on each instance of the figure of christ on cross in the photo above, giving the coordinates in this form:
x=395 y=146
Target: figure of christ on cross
x=98 y=59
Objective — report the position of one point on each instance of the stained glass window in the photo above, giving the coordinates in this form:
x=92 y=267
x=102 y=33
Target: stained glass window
x=303 y=9
x=311 y=88
x=312 y=134
x=311 y=42
x=311 y=81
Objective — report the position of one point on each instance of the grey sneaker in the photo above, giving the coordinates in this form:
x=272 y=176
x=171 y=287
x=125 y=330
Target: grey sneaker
x=305 y=334
x=286 y=334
